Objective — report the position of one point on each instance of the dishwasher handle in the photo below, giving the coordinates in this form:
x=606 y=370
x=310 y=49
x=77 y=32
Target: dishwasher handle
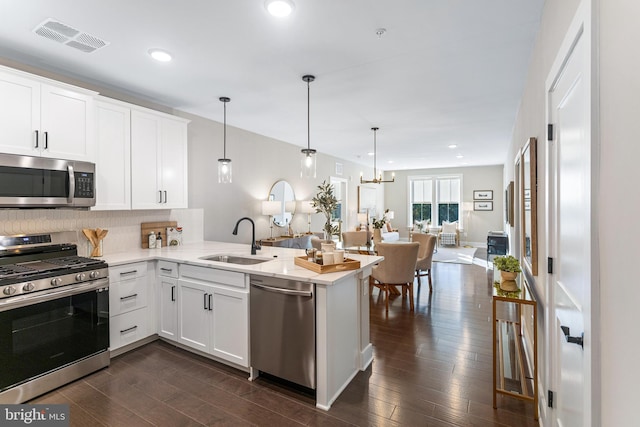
x=283 y=291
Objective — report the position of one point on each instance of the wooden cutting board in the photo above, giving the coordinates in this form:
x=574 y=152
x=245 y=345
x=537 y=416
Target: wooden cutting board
x=148 y=227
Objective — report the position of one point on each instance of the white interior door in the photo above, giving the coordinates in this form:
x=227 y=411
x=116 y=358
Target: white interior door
x=569 y=231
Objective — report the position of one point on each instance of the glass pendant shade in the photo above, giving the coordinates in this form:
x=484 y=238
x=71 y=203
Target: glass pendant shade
x=308 y=160
x=224 y=171
x=308 y=163
x=224 y=164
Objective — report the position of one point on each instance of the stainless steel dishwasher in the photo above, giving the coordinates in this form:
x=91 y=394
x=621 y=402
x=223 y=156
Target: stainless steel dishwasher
x=283 y=329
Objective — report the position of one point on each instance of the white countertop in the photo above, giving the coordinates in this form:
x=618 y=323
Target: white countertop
x=280 y=264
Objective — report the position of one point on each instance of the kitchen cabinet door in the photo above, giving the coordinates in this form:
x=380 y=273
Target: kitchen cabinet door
x=113 y=161
x=230 y=332
x=19 y=114
x=67 y=121
x=173 y=172
x=194 y=314
x=158 y=161
x=145 y=160
x=168 y=308
x=39 y=118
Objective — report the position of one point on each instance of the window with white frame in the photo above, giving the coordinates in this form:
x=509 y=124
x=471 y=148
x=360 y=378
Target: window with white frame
x=435 y=199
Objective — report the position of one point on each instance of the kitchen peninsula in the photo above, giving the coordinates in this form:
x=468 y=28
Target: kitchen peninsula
x=175 y=274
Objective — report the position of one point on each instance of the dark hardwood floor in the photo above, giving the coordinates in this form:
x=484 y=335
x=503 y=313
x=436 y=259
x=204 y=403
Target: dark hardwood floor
x=431 y=368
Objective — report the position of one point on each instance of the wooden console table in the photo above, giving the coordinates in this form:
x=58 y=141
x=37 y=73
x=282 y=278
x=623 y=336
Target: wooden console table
x=513 y=373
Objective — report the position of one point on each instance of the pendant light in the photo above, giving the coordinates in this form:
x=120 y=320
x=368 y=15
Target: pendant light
x=308 y=164
x=224 y=164
x=376 y=179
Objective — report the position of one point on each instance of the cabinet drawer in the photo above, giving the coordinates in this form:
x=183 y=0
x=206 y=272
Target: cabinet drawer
x=213 y=275
x=127 y=271
x=168 y=269
x=128 y=328
x=127 y=295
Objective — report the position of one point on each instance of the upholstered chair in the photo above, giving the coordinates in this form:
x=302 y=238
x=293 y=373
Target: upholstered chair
x=425 y=255
x=449 y=235
x=354 y=238
x=397 y=269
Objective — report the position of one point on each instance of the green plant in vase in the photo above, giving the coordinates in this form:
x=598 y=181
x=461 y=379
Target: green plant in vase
x=509 y=267
x=325 y=203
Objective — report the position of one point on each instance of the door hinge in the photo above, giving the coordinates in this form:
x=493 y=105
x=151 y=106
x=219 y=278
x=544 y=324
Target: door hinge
x=550 y=398
x=550 y=265
x=549 y=132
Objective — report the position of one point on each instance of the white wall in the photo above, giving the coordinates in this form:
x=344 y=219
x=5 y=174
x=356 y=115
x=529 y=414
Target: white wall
x=619 y=208
x=476 y=224
x=258 y=162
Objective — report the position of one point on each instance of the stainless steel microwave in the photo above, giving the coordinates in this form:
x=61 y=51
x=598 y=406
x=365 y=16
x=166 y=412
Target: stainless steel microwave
x=39 y=182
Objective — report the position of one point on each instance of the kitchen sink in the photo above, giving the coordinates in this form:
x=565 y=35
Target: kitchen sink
x=234 y=259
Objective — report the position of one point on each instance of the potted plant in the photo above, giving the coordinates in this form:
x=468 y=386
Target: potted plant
x=509 y=267
x=325 y=202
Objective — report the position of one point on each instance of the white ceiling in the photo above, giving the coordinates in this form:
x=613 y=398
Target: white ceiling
x=445 y=72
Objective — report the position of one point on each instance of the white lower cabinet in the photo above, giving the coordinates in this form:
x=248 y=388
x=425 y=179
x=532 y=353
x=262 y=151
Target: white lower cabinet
x=195 y=314
x=129 y=312
x=230 y=328
x=168 y=300
x=213 y=313
x=199 y=307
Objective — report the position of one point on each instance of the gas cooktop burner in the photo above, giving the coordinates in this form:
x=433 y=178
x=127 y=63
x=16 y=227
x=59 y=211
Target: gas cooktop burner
x=13 y=270
x=37 y=263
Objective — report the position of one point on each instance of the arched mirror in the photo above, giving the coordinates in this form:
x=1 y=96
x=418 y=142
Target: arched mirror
x=282 y=192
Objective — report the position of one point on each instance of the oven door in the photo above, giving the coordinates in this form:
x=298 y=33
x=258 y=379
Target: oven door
x=44 y=332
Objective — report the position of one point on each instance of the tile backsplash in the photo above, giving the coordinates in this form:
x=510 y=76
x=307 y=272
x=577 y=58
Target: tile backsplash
x=123 y=226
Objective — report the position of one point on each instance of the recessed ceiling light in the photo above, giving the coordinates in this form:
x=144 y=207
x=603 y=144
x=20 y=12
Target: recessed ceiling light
x=452 y=146
x=370 y=153
x=390 y=161
x=279 y=8
x=459 y=156
x=160 y=55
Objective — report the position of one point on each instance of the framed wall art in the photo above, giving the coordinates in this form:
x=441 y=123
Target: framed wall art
x=482 y=194
x=508 y=204
x=483 y=206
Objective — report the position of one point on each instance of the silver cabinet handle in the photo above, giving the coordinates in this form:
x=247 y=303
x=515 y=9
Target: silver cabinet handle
x=173 y=293
x=205 y=302
x=210 y=305
x=37 y=139
x=165 y=196
x=160 y=193
x=128 y=272
x=133 y=328
x=46 y=140
x=168 y=270
x=128 y=297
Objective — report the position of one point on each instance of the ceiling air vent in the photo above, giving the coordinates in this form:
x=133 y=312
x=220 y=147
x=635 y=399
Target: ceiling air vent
x=72 y=37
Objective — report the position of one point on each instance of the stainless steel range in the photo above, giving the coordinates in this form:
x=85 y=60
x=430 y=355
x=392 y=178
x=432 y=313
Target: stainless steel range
x=54 y=314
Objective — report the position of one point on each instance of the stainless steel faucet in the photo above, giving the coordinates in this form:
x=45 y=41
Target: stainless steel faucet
x=254 y=246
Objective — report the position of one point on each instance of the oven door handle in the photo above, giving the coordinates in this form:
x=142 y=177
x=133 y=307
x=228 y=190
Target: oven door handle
x=30 y=299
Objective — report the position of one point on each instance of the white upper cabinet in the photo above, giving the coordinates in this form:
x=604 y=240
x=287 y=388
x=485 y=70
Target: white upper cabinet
x=113 y=160
x=158 y=161
x=41 y=118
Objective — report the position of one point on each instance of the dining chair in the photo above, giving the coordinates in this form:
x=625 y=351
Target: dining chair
x=425 y=255
x=397 y=269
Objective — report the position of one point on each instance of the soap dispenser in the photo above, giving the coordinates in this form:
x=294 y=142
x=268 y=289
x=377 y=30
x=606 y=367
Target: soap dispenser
x=159 y=240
